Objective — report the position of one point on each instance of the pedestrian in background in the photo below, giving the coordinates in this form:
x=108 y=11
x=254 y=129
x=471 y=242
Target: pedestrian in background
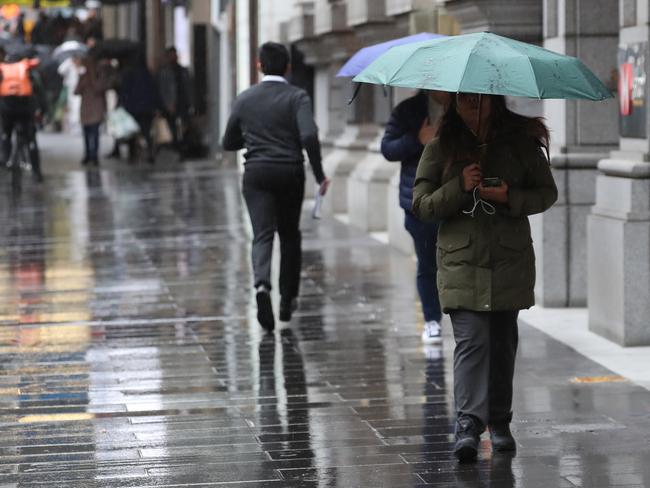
x=175 y=88
x=407 y=132
x=70 y=71
x=138 y=94
x=19 y=28
x=23 y=105
x=482 y=176
x=92 y=88
x=273 y=120
x=92 y=26
x=39 y=31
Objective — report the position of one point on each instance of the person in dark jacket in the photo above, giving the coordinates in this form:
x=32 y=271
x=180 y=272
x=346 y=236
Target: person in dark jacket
x=175 y=87
x=407 y=131
x=38 y=34
x=139 y=96
x=481 y=178
x=273 y=120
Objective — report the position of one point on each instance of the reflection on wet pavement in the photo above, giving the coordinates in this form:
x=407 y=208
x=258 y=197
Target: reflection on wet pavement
x=131 y=358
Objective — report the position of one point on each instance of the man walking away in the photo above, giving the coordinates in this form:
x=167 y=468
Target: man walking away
x=274 y=122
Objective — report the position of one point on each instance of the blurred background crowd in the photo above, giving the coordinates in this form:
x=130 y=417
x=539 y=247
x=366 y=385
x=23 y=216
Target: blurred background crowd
x=83 y=79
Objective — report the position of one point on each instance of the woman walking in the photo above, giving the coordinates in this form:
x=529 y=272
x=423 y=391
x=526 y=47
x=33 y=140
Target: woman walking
x=485 y=172
x=92 y=88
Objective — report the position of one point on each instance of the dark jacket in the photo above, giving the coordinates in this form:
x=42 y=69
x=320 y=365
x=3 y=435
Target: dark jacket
x=274 y=122
x=139 y=92
x=486 y=262
x=175 y=88
x=401 y=143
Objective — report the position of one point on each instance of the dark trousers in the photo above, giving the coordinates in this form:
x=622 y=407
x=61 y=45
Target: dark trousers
x=425 y=237
x=145 y=121
x=274 y=196
x=177 y=124
x=484 y=364
x=91 y=142
x=22 y=123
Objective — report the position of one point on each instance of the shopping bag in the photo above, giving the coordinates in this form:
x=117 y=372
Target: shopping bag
x=161 y=132
x=120 y=124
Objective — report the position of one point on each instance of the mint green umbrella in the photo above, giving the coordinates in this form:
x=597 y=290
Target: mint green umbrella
x=485 y=63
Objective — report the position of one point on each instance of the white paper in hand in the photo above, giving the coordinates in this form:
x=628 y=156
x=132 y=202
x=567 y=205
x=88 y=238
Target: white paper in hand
x=318 y=203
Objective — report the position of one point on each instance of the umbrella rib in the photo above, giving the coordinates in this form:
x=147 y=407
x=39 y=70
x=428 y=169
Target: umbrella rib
x=530 y=66
x=462 y=78
x=532 y=70
x=395 y=71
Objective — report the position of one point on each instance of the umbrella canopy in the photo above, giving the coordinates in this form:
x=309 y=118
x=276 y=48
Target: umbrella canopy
x=485 y=63
x=69 y=49
x=363 y=57
x=115 y=48
x=18 y=50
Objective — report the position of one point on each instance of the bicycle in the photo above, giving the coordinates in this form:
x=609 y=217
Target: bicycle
x=24 y=154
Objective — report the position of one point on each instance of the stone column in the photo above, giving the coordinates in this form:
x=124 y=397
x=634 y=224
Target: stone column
x=154 y=32
x=618 y=230
x=619 y=253
x=582 y=132
x=519 y=19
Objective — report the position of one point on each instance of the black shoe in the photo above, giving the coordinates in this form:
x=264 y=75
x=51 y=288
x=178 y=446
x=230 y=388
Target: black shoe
x=501 y=438
x=84 y=161
x=468 y=433
x=265 y=308
x=287 y=307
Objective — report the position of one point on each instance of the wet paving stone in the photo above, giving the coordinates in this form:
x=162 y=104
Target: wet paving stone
x=130 y=357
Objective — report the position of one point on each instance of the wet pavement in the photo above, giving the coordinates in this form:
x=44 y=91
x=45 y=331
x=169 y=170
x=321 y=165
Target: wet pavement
x=131 y=357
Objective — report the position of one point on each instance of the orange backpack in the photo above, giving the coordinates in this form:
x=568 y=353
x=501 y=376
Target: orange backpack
x=15 y=78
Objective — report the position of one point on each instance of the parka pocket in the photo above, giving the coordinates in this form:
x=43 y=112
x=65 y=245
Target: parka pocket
x=454 y=242
x=454 y=249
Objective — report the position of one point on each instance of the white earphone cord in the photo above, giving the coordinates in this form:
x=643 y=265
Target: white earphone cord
x=487 y=208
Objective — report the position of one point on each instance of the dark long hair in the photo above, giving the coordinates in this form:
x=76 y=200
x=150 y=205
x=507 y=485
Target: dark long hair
x=457 y=142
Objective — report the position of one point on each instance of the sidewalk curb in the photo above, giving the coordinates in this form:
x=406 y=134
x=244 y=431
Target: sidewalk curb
x=570 y=326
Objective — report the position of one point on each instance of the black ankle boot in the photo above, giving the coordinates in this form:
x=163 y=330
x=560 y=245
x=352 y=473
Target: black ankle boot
x=501 y=438
x=287 y=307
x=468 y=433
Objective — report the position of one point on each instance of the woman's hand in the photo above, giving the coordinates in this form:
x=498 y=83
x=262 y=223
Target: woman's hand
x=471 y=177
x=497 y=194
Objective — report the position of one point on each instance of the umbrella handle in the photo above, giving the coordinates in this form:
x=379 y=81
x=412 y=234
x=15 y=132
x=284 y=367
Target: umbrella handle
x=356 y=92
x=482 y=146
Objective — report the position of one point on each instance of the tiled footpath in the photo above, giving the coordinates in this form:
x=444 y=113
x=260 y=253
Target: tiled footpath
x=130 y=357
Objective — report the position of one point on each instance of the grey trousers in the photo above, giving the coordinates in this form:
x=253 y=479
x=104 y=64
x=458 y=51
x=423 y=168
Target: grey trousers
x=484 y=364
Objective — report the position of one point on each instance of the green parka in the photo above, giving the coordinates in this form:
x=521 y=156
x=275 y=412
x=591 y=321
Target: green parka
x=485 y=262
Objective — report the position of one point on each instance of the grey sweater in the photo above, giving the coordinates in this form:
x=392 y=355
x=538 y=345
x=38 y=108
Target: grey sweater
x=274 y=122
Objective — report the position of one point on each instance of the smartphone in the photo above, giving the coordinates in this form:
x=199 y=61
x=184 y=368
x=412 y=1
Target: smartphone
x=488 y=182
